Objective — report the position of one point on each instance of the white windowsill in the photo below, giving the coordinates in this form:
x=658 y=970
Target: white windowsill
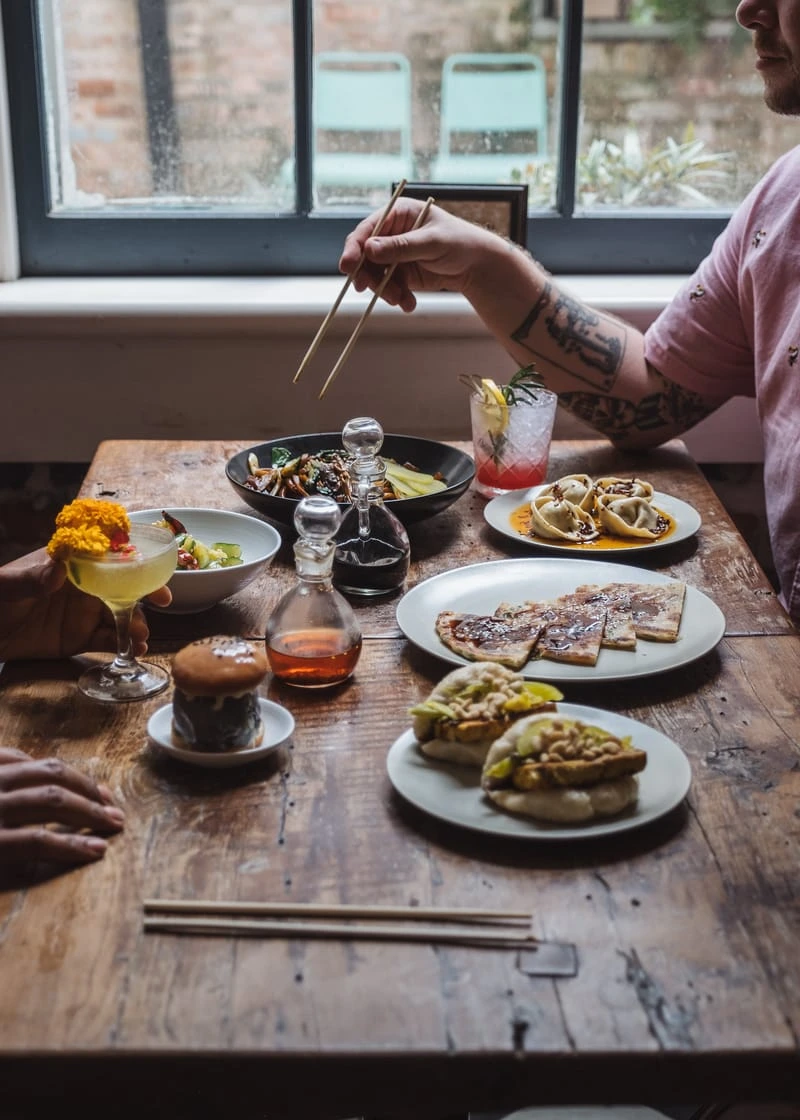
x=270 y=305
x=168 y=339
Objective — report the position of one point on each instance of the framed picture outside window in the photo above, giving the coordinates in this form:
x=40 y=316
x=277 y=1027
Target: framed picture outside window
x=502 y=208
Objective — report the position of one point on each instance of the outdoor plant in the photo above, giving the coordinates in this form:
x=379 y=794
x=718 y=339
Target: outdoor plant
x=689 y=16
x=675 y=174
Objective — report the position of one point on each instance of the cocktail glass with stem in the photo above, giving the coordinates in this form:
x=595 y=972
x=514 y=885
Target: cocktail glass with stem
x=121 y=578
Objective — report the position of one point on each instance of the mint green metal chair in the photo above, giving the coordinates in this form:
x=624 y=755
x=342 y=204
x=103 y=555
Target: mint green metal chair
x=362 y=118
x=496 y=103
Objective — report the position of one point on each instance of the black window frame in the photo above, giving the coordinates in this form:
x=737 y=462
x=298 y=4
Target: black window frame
x=139 y=243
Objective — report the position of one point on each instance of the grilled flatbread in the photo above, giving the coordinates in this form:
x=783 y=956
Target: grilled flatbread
x=572 y=629
x=619 y=631
x=656 y=608
x=478 y=637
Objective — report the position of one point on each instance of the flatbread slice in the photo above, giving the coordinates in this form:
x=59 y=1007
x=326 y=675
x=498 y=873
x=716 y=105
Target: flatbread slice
x=656 y=607
x=572 y=630
x=478 y=637
x=619 y=632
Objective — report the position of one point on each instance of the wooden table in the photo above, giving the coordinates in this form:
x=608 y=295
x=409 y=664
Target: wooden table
x=686 y=931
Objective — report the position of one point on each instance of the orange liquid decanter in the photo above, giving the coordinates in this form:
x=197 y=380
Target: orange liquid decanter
x=372 y=547
x=313 y=639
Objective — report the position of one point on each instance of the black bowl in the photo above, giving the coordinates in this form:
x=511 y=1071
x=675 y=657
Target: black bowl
x=455 y=466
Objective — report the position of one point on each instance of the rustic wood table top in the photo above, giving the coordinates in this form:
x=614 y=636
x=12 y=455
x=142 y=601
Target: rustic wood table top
x=687 y=978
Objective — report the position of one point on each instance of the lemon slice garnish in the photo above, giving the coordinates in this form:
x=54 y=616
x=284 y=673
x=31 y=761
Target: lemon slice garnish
x=495 y=406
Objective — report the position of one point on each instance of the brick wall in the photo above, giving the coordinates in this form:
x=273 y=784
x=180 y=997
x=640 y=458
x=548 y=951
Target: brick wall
x=232 y=65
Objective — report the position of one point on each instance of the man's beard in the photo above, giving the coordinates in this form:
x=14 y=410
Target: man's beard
x=781 y=95
x=784 y=100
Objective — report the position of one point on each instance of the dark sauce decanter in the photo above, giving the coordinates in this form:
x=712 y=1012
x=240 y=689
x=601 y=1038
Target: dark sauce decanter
x=313 y=639
x=372 y=549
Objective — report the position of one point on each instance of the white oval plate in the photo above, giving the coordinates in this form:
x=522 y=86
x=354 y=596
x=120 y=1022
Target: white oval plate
x=278 y=730
x=480 y=588
x=498 y=513
x=452 y=793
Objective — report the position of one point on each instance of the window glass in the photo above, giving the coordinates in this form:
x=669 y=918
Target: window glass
x=672 y=111
x=467 y=90
x=168 y=103
x=183 y=103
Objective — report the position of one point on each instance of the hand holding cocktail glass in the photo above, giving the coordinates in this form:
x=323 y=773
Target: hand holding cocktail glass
x=119 y=563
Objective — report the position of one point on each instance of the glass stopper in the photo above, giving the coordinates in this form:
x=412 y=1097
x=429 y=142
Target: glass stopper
x=316 y=520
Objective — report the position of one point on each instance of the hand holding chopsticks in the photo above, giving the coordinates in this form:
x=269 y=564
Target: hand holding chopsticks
x=270 y=919
x=376 y=296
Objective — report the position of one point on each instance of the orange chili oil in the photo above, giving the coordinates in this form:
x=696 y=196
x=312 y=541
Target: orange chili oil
x=520 y=520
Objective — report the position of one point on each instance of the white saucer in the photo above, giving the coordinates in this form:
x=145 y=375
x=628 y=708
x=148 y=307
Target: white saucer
x=278 y=730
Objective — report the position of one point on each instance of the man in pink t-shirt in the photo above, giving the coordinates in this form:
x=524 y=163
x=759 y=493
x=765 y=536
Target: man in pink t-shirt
x=733 y=330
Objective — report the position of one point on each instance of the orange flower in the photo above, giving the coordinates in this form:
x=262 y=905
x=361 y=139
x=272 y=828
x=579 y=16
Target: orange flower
x=87 y=526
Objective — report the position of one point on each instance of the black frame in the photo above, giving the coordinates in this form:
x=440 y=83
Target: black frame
x=144 y=243
x=509 y=200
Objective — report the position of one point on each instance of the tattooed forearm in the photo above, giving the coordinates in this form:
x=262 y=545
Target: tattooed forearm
x=669 y=410
x=587 y=337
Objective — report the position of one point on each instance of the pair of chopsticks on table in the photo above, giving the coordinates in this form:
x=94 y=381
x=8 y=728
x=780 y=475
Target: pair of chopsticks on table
x=326 y=322
x=433 y=925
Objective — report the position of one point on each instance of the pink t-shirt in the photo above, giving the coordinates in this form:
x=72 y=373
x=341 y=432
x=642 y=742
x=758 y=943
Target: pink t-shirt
x=734 y=330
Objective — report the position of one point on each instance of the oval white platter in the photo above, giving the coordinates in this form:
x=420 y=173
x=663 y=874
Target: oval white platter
x=480 y=588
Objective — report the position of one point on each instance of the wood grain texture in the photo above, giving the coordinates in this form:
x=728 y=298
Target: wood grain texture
x=689 y=978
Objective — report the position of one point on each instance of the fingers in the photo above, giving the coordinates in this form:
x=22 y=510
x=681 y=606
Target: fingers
x=401 y=219
x=31 y=576
x=160 y=598
x=52 y=804
x=23 y=772
x=48 y=792
x=11 y=754
x=30 y=845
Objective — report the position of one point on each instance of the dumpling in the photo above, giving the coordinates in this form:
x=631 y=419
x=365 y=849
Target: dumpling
x=575 y=488
x=624 y=487
x=630 y=517
x=556 y=519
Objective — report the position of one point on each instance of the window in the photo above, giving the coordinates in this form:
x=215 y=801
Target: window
x=248 y=136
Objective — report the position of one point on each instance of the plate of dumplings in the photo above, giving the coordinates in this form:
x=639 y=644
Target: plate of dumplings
x=577 y=513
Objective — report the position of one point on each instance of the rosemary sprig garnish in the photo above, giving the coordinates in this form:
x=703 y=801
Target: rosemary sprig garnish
x=525 y=382
x=523 y=386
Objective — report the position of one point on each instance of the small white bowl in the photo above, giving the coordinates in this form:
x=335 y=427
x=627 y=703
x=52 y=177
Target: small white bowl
x=200 y=589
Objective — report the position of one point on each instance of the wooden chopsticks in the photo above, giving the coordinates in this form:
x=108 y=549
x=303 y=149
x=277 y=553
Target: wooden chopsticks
x=375 y=297
x=291 y=920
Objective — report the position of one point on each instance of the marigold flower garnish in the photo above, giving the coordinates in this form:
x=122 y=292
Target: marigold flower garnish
x=90 y=527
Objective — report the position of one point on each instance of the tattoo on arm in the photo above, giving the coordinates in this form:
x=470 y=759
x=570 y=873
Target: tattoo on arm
x=670 y=408
x=580 y=333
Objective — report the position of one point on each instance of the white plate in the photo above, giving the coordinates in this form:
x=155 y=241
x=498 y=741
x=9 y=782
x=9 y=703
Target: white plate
x=278 y=730
x=452 y=793
x=499 y=510
x=480 y=588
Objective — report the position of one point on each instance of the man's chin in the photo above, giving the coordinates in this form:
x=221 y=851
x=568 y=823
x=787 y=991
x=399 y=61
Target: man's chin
x=784 y=100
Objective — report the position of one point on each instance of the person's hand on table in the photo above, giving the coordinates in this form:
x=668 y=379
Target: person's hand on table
x=37 y=794
x=442 y=255
x=43 y=615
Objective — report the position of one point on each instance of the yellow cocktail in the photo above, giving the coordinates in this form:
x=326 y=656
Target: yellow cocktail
x=120 y=578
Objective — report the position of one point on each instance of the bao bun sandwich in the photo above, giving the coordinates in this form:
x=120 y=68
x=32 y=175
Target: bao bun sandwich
x=558 y=769
x=472 y=706
x=215 y=706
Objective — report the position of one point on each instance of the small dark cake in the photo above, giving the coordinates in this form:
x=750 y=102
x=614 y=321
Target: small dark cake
x=215 y=705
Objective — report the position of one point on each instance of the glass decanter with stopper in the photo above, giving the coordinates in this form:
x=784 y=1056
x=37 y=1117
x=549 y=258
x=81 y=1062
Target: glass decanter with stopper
x=372 y=549
x=312 y=638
